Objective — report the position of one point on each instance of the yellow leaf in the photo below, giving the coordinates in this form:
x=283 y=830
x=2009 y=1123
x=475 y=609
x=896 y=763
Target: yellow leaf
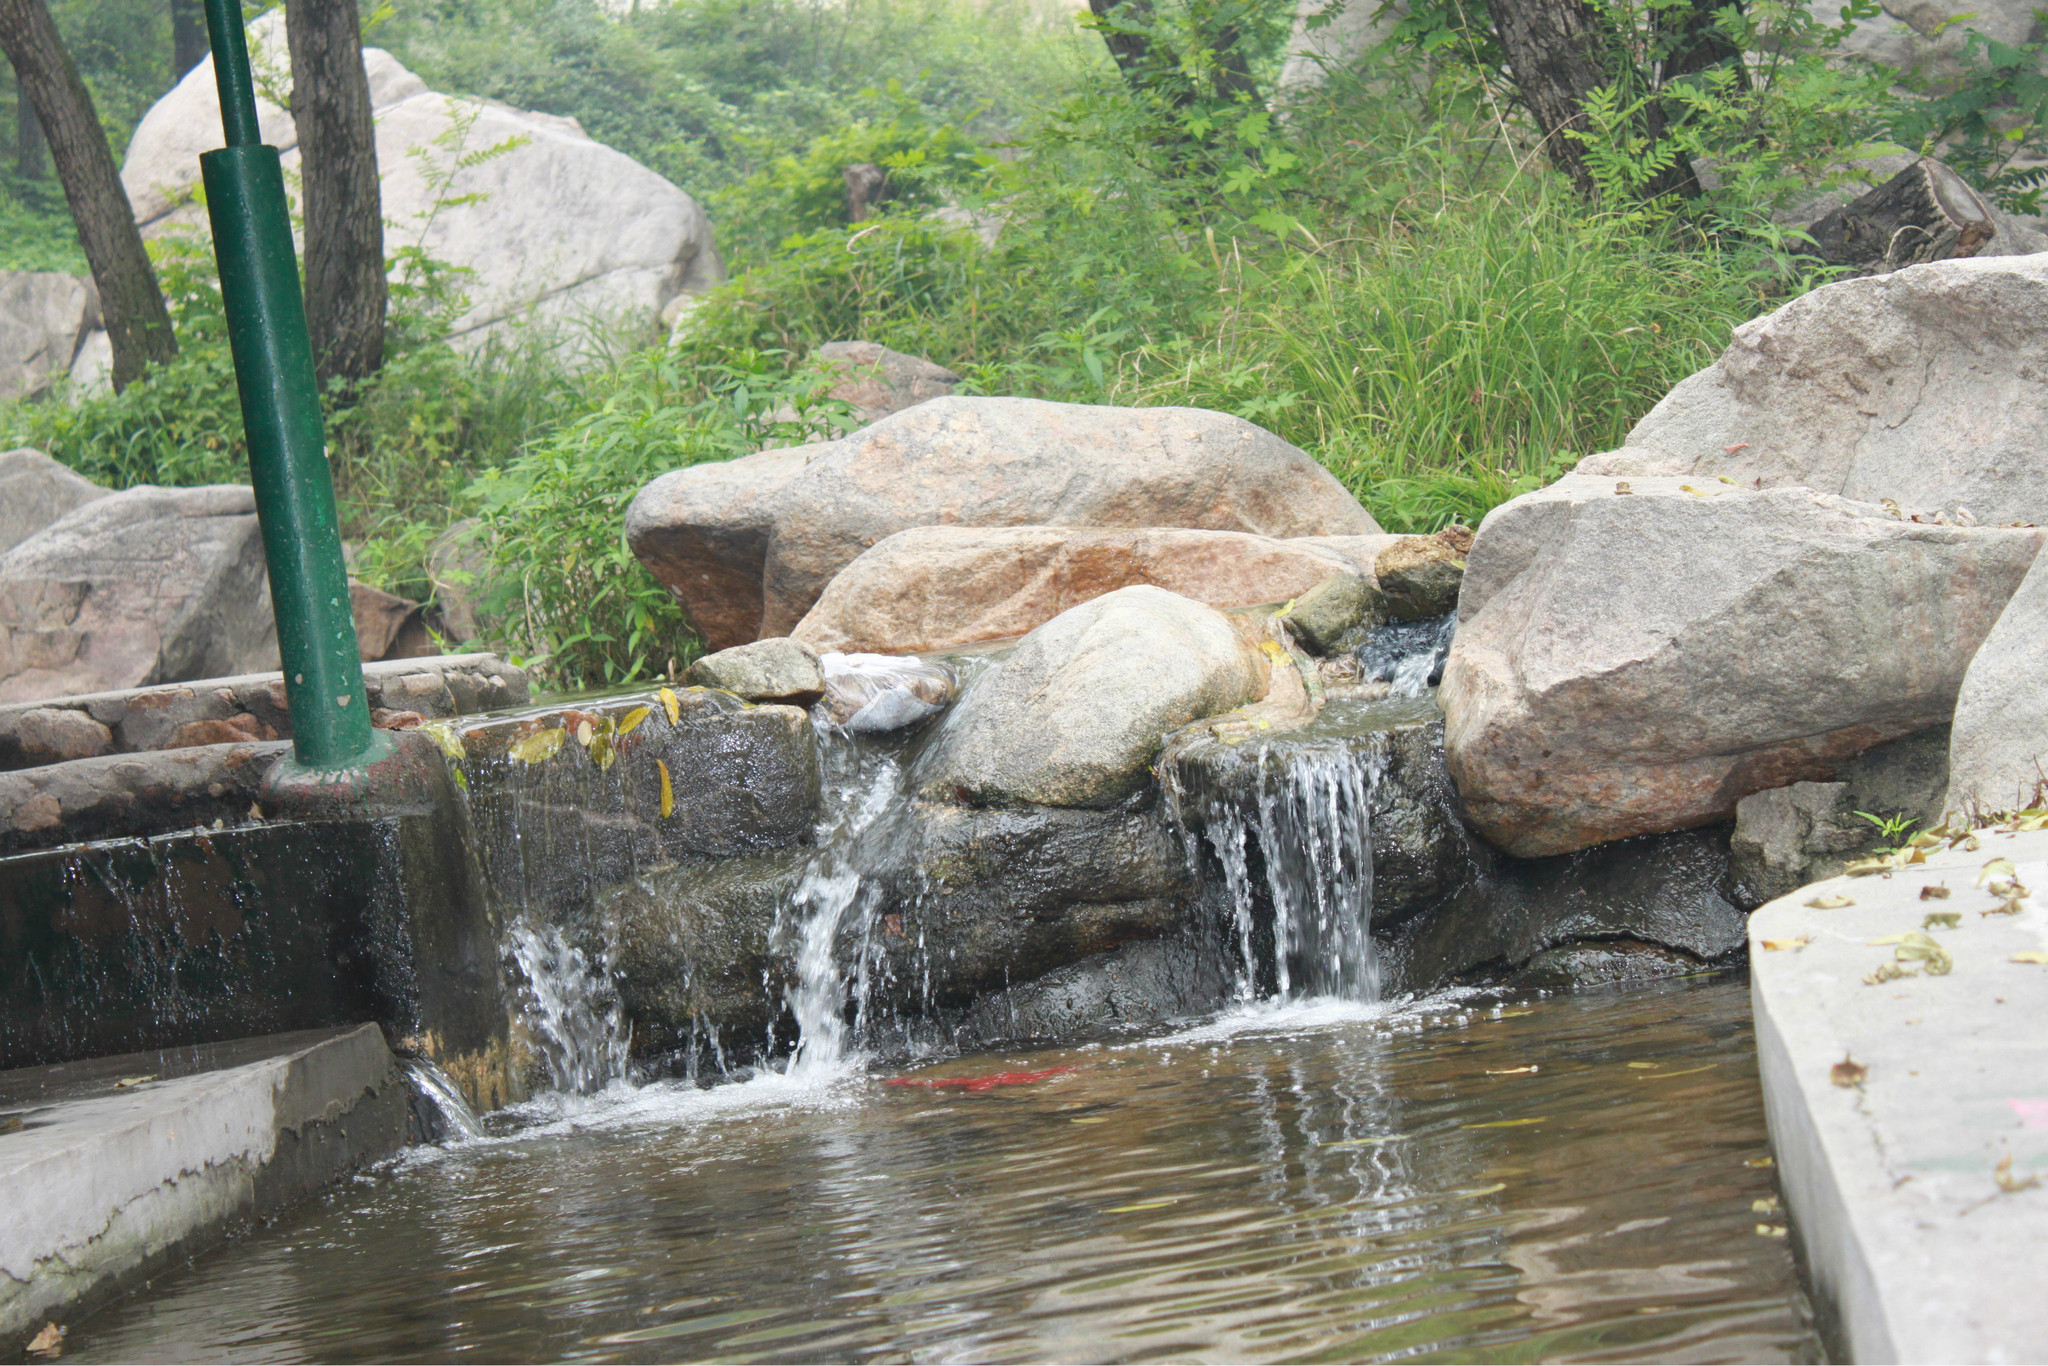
x=1998 y=867
x=1918 y=946
x=1505 y=1123
x=602 y=753
x=1510 y=1071
x=2030 y=958
x=444 y=735
x=632 y=719
x=1768 y=1205
x=1945 y=920
x=1642 y=1064
x=584 y=732
x=1888 y=939
x=1697 y=493
x=49 y=1342
x=1685 y=1072
x=1770 y=1230
x=126 y=1082
x=668 y=793
x=1775 y=944
x=1830 y=903
x=671 y=704
x=539 y=746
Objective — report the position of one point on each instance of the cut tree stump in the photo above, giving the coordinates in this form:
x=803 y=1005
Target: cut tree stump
x=1924 y=213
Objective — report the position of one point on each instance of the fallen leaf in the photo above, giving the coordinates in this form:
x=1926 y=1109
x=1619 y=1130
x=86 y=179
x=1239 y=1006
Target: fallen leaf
x=1926 y=839
x=1642 y=1064
x=540 y=746
x=1934 y=892
x=668 y=793
x=1848 y=1072
x=2010 y=906
x=49 y=1342
x=2030 y=958
x=1920 y=947
x=1943 y=920
x=127 y=1082
x=1888 y=972
x=1971 y=844
x=1887 y=940
x=671 y=704
x=1697 y=493
x=1685 y=1072
x=1509 y=1071
x=1726 y=480
x=1622 y=486
x=1864 y=867
x=2007 y=1182
x=1089 y=1119
x=632 y=719
x=444 y=735
x=10 y=1124
x=1830 y=903
x=1769 y=1205
x=1505 y=1123
x=584 y=732
x=1770 y=1230
x=1759 y=1162
x=1774 y=944
x=1998 y=867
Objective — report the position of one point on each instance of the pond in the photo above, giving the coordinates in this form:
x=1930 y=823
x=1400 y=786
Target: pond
x=1572 y=1177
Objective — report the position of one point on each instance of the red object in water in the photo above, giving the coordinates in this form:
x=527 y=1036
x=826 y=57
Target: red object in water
x=987 y=1083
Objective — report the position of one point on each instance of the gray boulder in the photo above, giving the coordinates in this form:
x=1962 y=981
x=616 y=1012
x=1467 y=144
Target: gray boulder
x=1998 y=751
x=775 y=670
x=1635 y=662
x=35 y=491
x=1927 y=38
x=1420 y=575
x=747 y=546
x=45 y=316
x=551 y=226
x=1922 y=387
x=1076 y=715
x=144 y=586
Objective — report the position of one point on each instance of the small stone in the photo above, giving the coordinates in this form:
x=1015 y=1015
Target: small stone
x=1420 y=576
x=774 y=670
x=52 y=735
x=1337 y=614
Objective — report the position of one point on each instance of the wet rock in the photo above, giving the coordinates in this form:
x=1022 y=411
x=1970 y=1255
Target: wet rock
x=54 y=735
x=878 y=381
x=869 y=694
x=1641 y=662
x=1659 y=890
x=35 y=491
x=144 y=586
x=132 y=794
x=1998 y=754
x=45 y=316
x=1920 y=386
x=1337 y=614
x=1419 y=575
x=775 y=670
x=747 y=546
x=553 y=227
x=1077 y=713
x=935 y=587
x=1605 y=963
x=1408 y=655
x=1146 y=983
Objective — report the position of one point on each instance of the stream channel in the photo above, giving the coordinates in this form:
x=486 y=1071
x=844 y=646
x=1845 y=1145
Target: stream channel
x=1296 y=1169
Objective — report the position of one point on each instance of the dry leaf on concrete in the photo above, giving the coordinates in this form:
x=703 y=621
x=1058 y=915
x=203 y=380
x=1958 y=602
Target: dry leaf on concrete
x=1848 y=1072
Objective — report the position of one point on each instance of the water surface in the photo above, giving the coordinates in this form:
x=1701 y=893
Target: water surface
x=1568 y=1178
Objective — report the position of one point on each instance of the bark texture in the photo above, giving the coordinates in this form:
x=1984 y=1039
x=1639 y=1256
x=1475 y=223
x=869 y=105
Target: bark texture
x=1924 y=213
x=346 y=293
x=188 y=37
x=31 y=158
x=138 y=324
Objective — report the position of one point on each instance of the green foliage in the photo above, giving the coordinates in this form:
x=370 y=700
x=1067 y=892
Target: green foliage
x=554 y=518
x=1992 y=118
x=35 y=227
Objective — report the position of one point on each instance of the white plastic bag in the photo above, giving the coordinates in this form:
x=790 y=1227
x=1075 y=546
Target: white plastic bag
x=870 y=694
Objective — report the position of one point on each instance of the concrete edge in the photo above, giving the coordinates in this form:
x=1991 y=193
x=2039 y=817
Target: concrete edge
x=107 y=1191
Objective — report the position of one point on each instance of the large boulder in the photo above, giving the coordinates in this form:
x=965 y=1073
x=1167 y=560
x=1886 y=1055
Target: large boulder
x=748 y=545
x=145 y=586
x=45 y=317
x=932 y=587
x=878 y=381
x=35 y=491
x=1639 y=661
x=1927 y=38
x=1998 y=750
x=550 y=224
x=1923 y=387
x=1078 y=712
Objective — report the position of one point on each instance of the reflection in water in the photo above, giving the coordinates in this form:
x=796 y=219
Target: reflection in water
x=1310 y=1181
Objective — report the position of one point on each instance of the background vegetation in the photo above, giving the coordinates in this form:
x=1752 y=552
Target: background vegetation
x=1381 y=270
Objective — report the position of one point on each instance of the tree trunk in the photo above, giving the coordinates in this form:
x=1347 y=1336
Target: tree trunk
x=346 y=294
x=1558 y=52
x=138 y=324
x=1924 y=213
x=30 y=155
x=188 y=37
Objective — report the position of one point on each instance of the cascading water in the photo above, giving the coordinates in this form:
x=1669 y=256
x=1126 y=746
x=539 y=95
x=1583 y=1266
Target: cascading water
x=1290 y=855
x=449 y=1118
x=1408 y=656
x=572 y=1007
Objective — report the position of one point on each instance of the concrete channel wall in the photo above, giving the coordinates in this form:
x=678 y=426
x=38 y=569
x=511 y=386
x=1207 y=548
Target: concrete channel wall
x=114 y=1169
x=1906 y=1090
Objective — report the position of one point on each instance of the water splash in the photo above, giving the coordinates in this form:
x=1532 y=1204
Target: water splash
x=1408 y=655
x=573 y=1009
x=439 y=1098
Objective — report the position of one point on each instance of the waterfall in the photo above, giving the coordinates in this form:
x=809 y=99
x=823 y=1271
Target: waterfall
x=1287 y=836
x=572 y=1008
x=439 y=1102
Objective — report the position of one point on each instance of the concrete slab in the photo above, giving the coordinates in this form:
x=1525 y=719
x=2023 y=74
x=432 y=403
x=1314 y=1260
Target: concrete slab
x=112 y=1169
x=1922 y=1242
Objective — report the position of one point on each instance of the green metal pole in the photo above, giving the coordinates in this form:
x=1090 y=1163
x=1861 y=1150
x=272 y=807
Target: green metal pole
x=266 y=315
